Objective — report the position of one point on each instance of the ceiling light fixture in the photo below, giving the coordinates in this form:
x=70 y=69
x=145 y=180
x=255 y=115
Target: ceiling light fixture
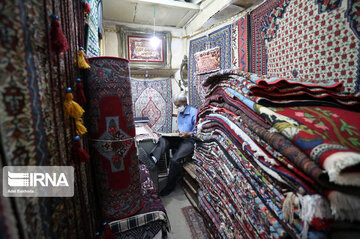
x=154 y=41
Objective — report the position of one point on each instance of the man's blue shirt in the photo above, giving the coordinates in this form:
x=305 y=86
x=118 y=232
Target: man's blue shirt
x=186 y=120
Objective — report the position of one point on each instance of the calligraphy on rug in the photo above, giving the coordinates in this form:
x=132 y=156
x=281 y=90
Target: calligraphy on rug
x=219 y=38
x=312 y=41
x=152 y=99
x=195 y=223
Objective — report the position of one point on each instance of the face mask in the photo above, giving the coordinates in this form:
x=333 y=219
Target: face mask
x=181 y=109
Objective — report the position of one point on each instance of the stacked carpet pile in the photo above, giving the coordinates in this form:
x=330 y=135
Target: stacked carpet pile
x=277 y=159
x=150 y=220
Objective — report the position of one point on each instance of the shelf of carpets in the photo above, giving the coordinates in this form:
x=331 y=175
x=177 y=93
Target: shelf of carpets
x=190 y=169
x=193 y=186
x=190 y=185
x=277 y=167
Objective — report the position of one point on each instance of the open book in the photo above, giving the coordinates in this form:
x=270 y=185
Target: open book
x=169 y=134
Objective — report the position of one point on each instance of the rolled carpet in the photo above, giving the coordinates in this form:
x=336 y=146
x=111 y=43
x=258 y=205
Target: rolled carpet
x=112 y=135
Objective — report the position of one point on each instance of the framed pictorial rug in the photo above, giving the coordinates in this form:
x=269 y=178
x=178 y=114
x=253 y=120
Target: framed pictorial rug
x=219 y=38
x=152 y=99
x=207 y=61
x=136 y=45
x=239 y=44
x=140 y=49
x=307 y=41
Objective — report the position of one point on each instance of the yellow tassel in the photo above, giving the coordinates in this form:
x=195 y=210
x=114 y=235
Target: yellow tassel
x=81 y=60
x=72 y=109
x=80 y=128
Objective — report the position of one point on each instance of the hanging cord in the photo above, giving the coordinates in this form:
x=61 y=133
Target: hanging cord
x=154 y=20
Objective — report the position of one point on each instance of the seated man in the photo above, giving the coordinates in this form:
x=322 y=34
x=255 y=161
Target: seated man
x=184 y=144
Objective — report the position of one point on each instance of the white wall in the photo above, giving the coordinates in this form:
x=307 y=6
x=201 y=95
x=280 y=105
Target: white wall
x=113 y=43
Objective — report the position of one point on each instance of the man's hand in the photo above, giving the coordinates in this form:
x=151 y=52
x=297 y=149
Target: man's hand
x=176 y=131
x=186 y=134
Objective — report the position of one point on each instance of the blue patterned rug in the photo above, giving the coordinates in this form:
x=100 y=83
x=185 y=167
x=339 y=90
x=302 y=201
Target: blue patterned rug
x=220 y=38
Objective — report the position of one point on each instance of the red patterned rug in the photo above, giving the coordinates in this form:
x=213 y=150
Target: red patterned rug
x=240 y=44
x=195 y=222
x=207 y=61
x=313 y=41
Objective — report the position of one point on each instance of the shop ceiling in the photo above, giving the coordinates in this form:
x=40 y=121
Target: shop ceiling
x=173 y=13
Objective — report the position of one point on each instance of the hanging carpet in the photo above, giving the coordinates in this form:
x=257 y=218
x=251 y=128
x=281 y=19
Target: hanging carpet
x=219 y=38
x=92 y=41
x=152 y=99
x=240 y=44
x=307 y=41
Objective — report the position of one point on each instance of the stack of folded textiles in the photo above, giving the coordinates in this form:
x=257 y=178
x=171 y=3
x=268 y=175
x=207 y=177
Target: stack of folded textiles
x=277 y=159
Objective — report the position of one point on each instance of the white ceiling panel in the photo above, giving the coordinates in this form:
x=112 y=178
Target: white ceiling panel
x=172 y=13
x=167 y=12
x=116 y=9
x=164 y=16
x=144 y=14
x=222 y=15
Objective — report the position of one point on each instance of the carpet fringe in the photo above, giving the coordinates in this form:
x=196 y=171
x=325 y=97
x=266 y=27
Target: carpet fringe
x=335 y=163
